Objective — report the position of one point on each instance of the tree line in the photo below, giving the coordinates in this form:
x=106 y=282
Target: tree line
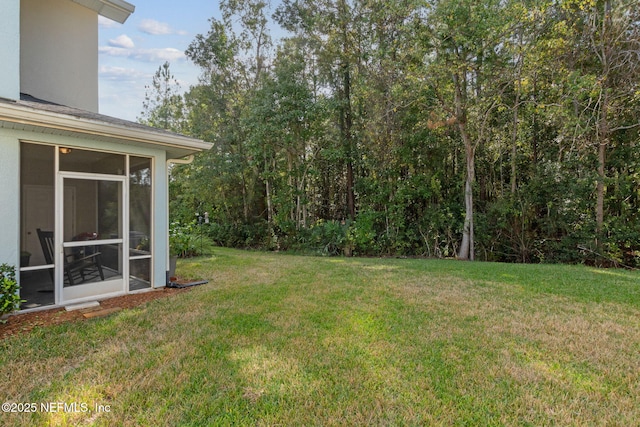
x=481 y=129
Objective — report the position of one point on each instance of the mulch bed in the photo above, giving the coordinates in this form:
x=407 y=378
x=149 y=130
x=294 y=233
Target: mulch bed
x=25 y=322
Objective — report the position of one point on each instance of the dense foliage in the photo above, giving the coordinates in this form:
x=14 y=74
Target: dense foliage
x=498 y=130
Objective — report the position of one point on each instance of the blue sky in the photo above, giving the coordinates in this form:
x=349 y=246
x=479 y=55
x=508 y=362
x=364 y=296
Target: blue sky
x=130 y=53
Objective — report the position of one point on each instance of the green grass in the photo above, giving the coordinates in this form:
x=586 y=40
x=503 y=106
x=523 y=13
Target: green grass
x=291 y=340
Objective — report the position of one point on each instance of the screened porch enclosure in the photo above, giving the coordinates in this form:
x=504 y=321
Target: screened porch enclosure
x=99 y=243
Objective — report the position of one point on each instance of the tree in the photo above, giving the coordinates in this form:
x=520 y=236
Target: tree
x=606 y=71
x=163 y=106
x=465 y=53
x=232 y=65
x=329 y=27
x=282 y=120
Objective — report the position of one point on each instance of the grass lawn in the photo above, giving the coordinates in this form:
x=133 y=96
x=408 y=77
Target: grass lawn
x=291 y=340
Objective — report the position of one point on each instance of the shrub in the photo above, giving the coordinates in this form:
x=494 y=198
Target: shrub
x=9 y=298
x=329 y=237
x=186 y=240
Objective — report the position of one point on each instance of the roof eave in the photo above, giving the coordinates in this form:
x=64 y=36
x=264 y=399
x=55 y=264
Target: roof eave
x=116 y=10
x=175 y=145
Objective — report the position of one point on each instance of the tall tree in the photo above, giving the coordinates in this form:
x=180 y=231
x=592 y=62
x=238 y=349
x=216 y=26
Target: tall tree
x=232 y=66
x=329 y=26
x=607 y=67
x=163 y=106
x=467 y=40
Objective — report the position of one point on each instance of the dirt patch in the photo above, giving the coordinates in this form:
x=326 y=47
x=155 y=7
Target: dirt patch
x=21 y=323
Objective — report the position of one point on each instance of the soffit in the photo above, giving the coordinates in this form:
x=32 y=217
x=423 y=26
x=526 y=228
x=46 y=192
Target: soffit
x=117 y=10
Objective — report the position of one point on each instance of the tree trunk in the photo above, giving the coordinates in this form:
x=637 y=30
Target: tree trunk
x=600 y=190
x=514 y=142
x=245 y=204
x=351 y=199
x=514 y=153
x=466 y=251
x=516 y=111
x=603 y=130
x=603 y=141
x=346 y=124
x=348 y=140
x=535 y=133
x=268 y=193
x=347 y=117
x=467 y=247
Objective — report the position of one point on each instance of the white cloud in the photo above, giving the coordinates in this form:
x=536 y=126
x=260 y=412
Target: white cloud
x=106 y=22
x=145 y=55
x=156 y=28
x=122 y=74
x=154 y=55
x=122 y=41
x=114 y=51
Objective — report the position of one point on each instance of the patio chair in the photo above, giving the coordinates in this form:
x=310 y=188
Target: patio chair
x=78 y=268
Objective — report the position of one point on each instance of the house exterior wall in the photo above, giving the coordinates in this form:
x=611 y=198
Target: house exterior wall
x=10 y=49
x=58 y=52
x=10 y=193
x=10 y=196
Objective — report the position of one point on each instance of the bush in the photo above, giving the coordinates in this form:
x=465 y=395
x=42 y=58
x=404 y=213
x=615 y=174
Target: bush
x=186 y=240
x=9 y=298
x=329 y=237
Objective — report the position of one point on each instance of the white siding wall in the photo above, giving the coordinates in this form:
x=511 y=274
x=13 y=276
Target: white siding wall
x=59 y=52
x=10 y=197
x=10 y=49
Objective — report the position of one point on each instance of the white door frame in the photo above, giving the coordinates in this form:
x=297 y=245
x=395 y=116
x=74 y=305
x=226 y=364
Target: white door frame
x=79 y=293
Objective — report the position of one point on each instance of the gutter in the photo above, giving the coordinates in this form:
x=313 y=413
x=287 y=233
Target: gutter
x=186 y=161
